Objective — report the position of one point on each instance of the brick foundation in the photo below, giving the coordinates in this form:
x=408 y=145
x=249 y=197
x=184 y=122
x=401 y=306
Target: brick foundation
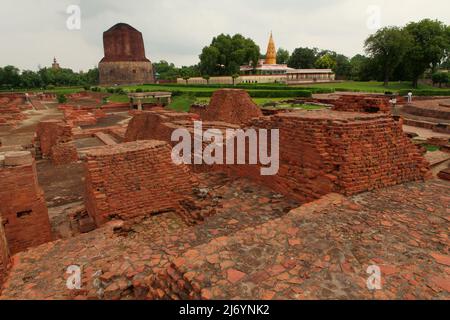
x=361 y=103
x=326 y=151
x=23 y=210
x=134 y=179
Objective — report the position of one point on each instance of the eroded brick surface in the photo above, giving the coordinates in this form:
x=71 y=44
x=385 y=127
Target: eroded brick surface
x=320 y=250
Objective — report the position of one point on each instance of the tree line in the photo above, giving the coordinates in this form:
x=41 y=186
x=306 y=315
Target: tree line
x=392 y=53
x=45 y=78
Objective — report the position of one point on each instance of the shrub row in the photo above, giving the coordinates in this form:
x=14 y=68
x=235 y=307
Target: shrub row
x=262 y=93
x=426 y=92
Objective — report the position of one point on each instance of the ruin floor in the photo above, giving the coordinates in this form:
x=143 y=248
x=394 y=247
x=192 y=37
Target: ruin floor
x=256 y=247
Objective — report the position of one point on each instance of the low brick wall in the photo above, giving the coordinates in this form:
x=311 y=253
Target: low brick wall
x=54 y=138
x=23 y=207
x=134 y=179
x=361 y=103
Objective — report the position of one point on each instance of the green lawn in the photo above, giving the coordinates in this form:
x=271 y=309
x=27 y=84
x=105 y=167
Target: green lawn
x=372 y=86
x=258 y=101
x=182 y=103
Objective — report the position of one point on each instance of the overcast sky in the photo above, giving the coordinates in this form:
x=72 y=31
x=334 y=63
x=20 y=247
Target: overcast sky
x=33 y=31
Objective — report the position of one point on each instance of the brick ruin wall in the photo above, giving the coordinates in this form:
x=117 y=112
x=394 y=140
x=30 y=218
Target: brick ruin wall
x=156 y=125
x=134 y=179
x=323 y=152
x=54 y=140
x=23 y=210
x=431 y=111
x=320 y=151
x=11 y=107
x=231 y=106
x=361 y=103
x=4 y=254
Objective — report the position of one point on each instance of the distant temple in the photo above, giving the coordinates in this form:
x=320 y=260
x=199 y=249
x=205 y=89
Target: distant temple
x=55 y=64
x=269 y=65
x=268 y=71
x=125 y=61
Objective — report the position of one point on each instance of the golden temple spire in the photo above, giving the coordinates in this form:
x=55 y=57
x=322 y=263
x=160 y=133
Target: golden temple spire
x=271 y=55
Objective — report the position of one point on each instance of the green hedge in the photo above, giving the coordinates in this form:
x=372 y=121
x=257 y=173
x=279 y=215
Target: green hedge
x=426 y=92
x=246 y=86
x=261 y=93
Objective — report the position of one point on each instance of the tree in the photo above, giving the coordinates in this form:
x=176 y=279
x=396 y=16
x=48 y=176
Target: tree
x=30 y=79
x=234 y=76
x=166 y=70
x=10 y=76
x=388 y=46
x=282 y=56
x=429 y=46
x=441 y=78
x=227 y=53
x=343 y=67
x=61 y=98
x=303 y=58
x=325 y=62
x=206 y=77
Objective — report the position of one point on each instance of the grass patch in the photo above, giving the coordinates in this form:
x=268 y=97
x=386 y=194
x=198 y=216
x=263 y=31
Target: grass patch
x=182 y=103
x=431 y=148
x=371 y=86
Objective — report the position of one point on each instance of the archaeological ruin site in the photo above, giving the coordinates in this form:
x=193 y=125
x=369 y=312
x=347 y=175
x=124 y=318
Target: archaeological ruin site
x=93 y=185
x=245 y=177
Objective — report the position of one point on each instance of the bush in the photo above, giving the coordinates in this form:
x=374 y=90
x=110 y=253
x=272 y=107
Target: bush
x=280 y=93
x=50 y=87
x=61 y=98
x=263 y=93
x=111 y=90
x=440 y=78
x=425 y=92
x=120 y=91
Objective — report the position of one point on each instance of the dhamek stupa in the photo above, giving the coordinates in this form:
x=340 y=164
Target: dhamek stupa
x=124 y=61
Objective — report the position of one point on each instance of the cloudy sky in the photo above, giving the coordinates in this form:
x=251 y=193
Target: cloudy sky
x=33 y=31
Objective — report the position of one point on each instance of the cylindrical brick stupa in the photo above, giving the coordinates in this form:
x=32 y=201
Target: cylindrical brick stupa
x=124 y=61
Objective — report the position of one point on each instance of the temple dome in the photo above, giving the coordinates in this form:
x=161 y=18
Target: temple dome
x=271 y=55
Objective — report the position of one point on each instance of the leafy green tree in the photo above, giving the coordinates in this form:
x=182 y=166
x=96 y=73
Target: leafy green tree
x=325 y=62
x=206 y=77
x=388 y=46
x=343 y=67
x=61 y=98
x=10 y=76
x=303 y=58
x=166 y=70
x=441 y=78
x=282 y=56
x=430 y=44
x=227 y=53
x=30 y=79
x=234 y=76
